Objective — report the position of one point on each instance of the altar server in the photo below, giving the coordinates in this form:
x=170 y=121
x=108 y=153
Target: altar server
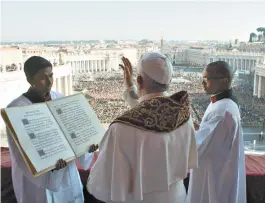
x=62 y=184
x=146 y=152
x=221 y=176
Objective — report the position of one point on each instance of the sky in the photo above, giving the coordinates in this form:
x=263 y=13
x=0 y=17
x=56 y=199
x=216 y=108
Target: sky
x=73 y=20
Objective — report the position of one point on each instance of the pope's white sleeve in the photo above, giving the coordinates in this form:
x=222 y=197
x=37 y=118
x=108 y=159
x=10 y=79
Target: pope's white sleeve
x=50 y=180
x=215 y=136
x=85 y=160
x=130 y=96
x=193 y=154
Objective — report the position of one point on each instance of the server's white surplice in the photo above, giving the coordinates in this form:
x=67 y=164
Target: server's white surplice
x=221 y=176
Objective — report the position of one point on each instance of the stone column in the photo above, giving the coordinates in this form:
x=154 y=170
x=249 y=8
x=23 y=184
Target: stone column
x=255 y=85
x=98 y=65
x=70 y=84
x=262 y=87
x=108 y=65
x=94 y=66
x=54 y=85
x=87 y=63
x=72 y=68
x=90 y=66
x=104 y=65
x=248 y=65
x=75 y=65
x=65 y=80
x=259 y=86
x=59 y=85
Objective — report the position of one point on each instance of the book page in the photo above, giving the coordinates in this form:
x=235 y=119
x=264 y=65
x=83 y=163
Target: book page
x=78 y=121
x=39 y=135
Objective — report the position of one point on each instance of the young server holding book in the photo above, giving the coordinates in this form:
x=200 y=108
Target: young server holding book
x=62 y=183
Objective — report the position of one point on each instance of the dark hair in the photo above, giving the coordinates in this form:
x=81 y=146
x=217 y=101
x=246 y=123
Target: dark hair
x=34 y=64
x=222 y=68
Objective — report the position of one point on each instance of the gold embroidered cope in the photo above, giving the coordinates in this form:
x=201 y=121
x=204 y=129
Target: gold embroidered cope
x=159 y=114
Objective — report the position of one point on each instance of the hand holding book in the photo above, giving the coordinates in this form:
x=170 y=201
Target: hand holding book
x=93 y=148
x=60 y=164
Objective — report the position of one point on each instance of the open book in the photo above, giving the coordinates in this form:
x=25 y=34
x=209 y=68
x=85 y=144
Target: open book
x=59 y=129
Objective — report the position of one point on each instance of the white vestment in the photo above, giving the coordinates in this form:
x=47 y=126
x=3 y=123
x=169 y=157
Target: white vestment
x=59 y=186
x=221 y=176
x=137 y=166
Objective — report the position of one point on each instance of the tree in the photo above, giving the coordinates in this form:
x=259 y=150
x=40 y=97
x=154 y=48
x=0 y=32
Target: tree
x=252 y=37
x=261 y=30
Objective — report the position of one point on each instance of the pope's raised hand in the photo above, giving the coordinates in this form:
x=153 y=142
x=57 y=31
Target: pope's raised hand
x=127 y=71
x=93 y=148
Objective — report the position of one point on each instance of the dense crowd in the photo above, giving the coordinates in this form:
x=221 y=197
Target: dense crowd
x=105 y=95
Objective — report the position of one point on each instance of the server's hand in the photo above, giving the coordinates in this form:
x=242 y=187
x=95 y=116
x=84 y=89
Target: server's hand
x=60 y=164
x=93 y=148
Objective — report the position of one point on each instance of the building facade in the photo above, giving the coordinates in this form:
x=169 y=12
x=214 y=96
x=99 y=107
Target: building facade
x=92 y=63
x=244 y=62
x=259 y=81
x=196 y=56
x=99 y=60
